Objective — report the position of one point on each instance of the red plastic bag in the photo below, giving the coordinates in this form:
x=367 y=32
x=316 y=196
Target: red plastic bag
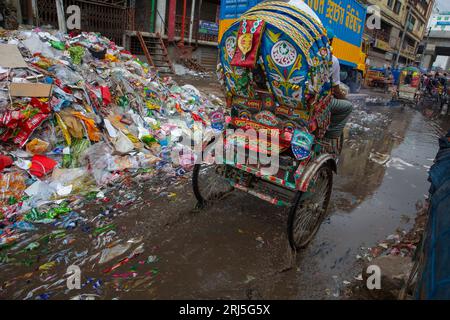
x=5 y=161
x=41 y=165
x=106 y=95
x=28 y=127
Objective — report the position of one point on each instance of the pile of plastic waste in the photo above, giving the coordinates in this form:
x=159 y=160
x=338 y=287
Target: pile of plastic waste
x=77 y=112
x=101 y=116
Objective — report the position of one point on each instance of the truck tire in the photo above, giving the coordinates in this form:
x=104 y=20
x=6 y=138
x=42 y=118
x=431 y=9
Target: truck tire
x=356 y=82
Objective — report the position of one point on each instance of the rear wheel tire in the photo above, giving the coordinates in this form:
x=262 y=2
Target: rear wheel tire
x=208 y=183
x=309 y=209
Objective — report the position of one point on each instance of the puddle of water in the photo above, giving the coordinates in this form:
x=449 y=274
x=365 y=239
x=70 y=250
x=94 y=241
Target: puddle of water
x=380 y=196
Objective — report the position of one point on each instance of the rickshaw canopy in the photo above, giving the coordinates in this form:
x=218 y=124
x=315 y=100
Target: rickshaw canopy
x=276 y=65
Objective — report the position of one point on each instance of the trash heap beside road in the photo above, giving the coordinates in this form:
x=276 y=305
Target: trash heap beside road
x=77 y=113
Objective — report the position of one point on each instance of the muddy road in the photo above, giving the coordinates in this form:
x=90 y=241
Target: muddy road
x=237 y=249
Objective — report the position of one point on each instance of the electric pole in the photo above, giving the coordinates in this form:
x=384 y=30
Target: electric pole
x=425 y=46
x=405 y=29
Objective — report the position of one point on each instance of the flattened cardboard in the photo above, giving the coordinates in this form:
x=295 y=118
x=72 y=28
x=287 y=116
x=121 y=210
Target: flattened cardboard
x=11 y=57
x=37 y=90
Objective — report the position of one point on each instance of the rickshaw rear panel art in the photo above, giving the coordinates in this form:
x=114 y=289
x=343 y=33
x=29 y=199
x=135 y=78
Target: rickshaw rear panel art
x=291 y=53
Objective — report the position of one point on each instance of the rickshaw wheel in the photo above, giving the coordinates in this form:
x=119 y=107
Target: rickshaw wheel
x=309 y=209
x=208 y=183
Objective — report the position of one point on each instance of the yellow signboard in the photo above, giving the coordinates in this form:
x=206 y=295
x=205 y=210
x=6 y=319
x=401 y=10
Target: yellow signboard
x=383 y=45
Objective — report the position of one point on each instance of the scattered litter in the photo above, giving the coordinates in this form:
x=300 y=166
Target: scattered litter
x=398 y=163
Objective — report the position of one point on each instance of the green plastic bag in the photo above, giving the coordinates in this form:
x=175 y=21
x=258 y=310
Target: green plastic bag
x=59 y=45
x=76 y=54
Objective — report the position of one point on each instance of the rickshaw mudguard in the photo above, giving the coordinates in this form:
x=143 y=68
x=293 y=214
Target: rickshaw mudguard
x=303 y=175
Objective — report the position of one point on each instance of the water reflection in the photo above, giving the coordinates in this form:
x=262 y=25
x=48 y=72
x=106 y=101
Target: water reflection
x=359 y=176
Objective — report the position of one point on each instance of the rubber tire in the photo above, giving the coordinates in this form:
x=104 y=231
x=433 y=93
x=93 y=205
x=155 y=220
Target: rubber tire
x=195 y=174
x=195 y=186
x=293 y=210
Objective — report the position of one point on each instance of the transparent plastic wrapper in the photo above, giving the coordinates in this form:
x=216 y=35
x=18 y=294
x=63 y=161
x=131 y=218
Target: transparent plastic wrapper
x=79 y=180
x=39 y=191
x=12 y=185
x=47 y=133
x=147 y=160
x=35 y=45
x=109 y=254
x=67 y=176
x=98 y=157
x=66 y=75
x=4 y=100
x=191 y=89
x=140 y=160
x=120 y=163
x=183 y=156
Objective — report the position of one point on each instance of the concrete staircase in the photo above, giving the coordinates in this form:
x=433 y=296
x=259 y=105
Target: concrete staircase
x=208 y=59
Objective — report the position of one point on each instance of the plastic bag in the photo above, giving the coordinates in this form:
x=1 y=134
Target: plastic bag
x=110 y=253
x=98 y=156
x=66 y=75
x=59 y=45
x=12 y=184
x=37 y=146
x=122 y=143
x=35 y=45
x=67 y=176
x=5 y=161
x=41 y=165
x=39 y=191
x=77 y=148
x=73 y=181
x=76 y=54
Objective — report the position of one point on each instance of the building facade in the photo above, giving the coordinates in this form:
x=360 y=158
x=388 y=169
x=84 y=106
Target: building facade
x=193 y=23
x=438 y=25
x=403 y=26
x=440 y=21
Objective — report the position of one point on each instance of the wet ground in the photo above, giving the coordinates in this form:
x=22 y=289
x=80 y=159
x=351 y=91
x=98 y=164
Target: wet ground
x=238 y=248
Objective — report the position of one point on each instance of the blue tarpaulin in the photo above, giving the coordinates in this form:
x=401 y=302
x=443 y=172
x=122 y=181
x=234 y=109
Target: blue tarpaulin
x=434 y=278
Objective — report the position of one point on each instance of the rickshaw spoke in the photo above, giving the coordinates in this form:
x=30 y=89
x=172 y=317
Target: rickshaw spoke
x=210 y=185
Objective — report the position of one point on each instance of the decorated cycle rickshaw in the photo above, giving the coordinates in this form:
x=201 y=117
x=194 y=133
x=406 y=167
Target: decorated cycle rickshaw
x=409 y=88
x=275 y=62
